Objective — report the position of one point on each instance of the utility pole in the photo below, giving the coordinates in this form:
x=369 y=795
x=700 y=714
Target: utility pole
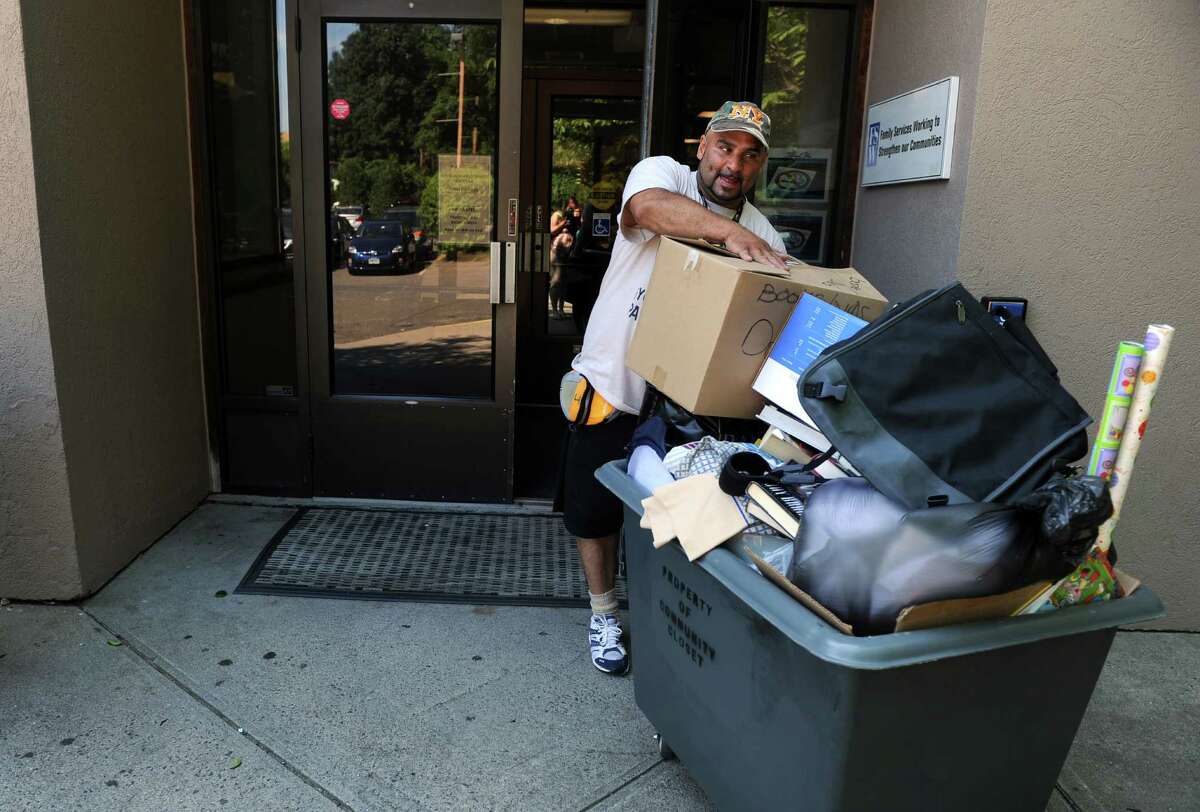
x=457 y=37
x=462 y=73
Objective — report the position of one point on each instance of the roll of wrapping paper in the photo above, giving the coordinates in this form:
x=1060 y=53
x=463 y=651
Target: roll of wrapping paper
x=1116 y=408
x=1157 y=344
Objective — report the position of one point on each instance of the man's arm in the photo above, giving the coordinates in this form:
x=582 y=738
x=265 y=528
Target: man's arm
x=666 y=212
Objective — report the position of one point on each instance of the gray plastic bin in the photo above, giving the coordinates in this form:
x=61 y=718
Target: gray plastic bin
x=768 y=707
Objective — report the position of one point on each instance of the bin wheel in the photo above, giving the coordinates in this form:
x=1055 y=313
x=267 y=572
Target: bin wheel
x=664 y=750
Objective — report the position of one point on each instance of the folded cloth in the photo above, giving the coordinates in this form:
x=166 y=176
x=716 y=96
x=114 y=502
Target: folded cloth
x=656 y=519
x=696 y=512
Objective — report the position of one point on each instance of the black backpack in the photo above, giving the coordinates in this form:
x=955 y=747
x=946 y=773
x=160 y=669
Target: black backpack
x=935 y=403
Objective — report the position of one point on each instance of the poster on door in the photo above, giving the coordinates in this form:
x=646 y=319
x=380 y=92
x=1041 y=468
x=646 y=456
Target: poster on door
x=465 y=199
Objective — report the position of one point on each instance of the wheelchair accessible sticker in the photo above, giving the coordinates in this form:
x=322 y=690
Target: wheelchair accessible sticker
x=601 y=224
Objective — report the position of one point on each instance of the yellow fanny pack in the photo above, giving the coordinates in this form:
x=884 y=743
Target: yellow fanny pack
x=582 y=405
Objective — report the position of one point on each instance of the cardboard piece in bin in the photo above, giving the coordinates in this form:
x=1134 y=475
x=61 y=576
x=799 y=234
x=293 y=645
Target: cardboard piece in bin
x=966 y=610
x=708 y=319
x=780 y=580
x=935 y=613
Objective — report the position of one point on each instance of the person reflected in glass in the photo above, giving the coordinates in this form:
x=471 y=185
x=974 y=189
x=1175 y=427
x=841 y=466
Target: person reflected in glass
x=562 y=240
x=573 y=213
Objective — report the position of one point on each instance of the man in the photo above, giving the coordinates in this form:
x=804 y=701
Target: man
x=661 y=197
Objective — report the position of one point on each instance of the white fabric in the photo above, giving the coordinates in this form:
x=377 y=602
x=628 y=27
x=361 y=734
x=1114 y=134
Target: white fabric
x=610 y=328
x=647 y=468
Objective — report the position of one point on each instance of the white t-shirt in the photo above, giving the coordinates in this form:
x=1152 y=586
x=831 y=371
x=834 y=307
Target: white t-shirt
x=615 y=314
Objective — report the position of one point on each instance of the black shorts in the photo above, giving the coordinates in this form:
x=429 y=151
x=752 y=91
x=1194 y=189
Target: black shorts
x=589 y=509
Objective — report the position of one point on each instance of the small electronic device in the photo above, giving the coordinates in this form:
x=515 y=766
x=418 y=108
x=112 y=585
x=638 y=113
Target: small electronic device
x=1003 y=308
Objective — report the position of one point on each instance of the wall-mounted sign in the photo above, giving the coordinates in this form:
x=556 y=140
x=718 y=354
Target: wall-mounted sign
x=911 y=136
x=339 y=109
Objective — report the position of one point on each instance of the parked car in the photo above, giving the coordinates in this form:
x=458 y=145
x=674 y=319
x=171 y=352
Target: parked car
x=382 y=245
x=340 y=235
x=351 y=214
x=408 y=215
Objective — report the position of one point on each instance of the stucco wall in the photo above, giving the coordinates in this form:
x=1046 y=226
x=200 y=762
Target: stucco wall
x=1084 y=187
x=906 y=236
x=37 y=536
x=108 y=115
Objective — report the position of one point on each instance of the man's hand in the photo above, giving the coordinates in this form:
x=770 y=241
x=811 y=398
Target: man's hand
x=749 y=246
x=669 y=213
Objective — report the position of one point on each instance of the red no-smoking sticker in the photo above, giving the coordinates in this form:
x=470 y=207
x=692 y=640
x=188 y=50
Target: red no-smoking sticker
x=339 y=109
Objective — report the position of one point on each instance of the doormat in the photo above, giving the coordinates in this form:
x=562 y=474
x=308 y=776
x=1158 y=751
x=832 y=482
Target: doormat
x=480 y=558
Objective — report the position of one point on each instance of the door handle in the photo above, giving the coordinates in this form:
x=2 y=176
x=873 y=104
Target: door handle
x=502 y=273
x=494 y=274
x=510 y=272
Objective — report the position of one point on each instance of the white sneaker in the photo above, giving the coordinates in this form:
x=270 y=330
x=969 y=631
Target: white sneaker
x=604 y=642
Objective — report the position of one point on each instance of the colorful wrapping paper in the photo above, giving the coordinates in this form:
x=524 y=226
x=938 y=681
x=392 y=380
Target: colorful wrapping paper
x=1116 y=408
x=1093 y=580
x=1157 y=344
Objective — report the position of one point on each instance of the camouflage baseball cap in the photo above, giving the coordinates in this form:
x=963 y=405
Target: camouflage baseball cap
x=745 y=116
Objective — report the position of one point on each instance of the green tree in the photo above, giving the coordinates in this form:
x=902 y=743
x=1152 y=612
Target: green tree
x=427 y=210
x=393 y=182
x=402 y=84
x=785 y=65
x=384 y=71
x=354 y=181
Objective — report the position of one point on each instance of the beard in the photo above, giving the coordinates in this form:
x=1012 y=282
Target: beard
x=712 y=189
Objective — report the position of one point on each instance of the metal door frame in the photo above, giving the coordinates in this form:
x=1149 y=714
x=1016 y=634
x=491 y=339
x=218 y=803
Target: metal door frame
x=458 y=427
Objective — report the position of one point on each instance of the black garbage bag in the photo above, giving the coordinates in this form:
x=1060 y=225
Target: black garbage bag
x=865 y=557
x=1069 y=512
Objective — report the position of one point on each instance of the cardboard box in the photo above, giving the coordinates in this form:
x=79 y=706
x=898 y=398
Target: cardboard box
x=708 y=320
x=934 y=614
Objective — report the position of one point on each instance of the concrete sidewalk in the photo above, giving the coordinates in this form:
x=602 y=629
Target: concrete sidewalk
x=214 y=700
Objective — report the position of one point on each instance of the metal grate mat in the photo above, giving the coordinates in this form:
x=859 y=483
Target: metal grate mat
x=478 y=558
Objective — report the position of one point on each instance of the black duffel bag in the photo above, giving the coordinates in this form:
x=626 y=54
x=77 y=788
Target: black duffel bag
x=935 y=403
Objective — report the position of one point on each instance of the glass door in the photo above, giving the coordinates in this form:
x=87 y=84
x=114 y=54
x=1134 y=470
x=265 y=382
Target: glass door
x=582 y=140
x=408 y=118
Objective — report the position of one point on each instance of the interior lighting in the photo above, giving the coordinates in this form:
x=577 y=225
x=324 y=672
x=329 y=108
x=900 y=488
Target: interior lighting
x=579 y=16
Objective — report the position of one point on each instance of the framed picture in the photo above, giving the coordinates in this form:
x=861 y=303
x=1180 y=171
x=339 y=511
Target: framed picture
x=796 y=175
x=803 y=232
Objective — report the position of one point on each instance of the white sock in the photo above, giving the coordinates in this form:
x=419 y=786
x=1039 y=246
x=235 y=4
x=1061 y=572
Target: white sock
x=605 y=604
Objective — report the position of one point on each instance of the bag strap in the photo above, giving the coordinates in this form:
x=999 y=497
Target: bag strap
x=825 y=389
x=802 y=474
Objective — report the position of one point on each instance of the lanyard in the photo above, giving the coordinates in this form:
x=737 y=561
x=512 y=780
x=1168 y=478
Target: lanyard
x=737 y=215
